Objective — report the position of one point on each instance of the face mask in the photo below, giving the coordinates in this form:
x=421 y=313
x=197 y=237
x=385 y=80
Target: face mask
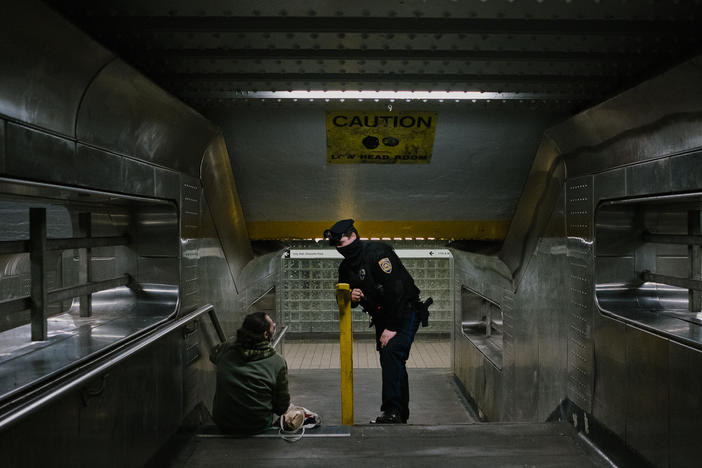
x=352 y=250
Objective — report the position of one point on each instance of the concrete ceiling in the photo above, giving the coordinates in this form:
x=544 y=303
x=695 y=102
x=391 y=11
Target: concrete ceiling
x=536 y=62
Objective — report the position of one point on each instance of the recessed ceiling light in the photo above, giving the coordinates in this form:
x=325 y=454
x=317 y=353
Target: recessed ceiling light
x=391 y=96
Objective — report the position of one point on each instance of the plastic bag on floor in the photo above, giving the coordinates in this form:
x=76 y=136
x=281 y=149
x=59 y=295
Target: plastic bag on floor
x=294 y=422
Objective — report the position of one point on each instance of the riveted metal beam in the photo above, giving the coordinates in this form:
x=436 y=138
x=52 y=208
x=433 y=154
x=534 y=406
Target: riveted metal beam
x=391 y=54
x=501 y=26
x=388 y=77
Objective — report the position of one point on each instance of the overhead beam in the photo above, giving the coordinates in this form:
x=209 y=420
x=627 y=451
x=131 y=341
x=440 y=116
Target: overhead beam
x=584 y=80
x=159 y=55
x=501 y=26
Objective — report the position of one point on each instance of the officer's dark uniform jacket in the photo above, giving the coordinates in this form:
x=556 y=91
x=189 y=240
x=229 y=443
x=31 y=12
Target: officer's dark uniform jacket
x=389 y=290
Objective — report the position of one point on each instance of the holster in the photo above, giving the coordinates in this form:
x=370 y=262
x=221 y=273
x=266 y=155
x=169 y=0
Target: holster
x=424 y=311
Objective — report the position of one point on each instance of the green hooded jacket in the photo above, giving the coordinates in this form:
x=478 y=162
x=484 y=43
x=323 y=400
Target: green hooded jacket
x=252 y=387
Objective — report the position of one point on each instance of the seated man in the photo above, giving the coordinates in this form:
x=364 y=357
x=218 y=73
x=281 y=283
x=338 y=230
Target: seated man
x=252 y=379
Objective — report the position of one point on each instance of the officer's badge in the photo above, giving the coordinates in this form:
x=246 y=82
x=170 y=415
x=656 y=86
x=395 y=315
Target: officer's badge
x=385 y=265
x=362 y=273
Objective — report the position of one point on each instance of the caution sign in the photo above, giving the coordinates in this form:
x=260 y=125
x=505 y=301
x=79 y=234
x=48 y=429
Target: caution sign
x=380 y=137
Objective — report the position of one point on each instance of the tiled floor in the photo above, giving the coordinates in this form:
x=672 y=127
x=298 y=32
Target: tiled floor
x=325 y=354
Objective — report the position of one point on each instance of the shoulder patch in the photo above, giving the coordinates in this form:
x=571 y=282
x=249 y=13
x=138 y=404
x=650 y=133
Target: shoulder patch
x=385 y=265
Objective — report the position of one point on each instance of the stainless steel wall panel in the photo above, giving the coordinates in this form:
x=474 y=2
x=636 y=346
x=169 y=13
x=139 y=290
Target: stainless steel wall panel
x=668 y=222
x=508 y=355
x=111 y=262
x=639 y=385
x=493 y=399
x=472 y=373
x=76 y=116
x=647 y=107
x=190 y=276
x=645 y=257
x=552 y=305
x=144 y=121
x=158 y=270
x=99 y=169
x=648 y=178
x=673 y=266
x=48 y=63
x=489 y=277
x=154 y=231
x=190 y=286
x=137 y=178
x=166 y=184
x=610 y=391
x=685 y=387
x=456 y=362
x=110 y=224
x=195 y=360
x=257 y=280
x=216 y=285
x=672 y=135
x=153 y=404
x=222 y=197
x=540 y=345
x=579 y=211
x=686 y=171
x=215 y=280
x=610 y=184
x=134 y=408
x=525 y=377
x=615 y=270
x=190 y=195
x=53 y=441
x=35 y=155
x=552 y=330
x=3 y=143
x=191 y=234
x=647 y=404
x=105 y=412
x=541 y=191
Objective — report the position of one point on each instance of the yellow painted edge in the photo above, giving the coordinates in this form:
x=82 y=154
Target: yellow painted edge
x=472 y=230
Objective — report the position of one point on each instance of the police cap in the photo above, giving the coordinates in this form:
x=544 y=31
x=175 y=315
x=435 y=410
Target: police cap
x=334 y=233
x=342 y=227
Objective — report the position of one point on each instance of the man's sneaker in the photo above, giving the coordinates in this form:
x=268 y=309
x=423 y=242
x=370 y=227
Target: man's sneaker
x=388 y=417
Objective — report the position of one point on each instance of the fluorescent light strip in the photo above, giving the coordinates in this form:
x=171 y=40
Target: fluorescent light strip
x=387 y=95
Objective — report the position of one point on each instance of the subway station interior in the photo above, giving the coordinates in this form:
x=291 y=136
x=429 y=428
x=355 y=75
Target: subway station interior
x=168 y=167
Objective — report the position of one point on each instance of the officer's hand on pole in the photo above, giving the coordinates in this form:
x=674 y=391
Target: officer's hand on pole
x=356 y=295
x=386 y=336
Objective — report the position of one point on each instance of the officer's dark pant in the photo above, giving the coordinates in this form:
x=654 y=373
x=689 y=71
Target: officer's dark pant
x=393 y=358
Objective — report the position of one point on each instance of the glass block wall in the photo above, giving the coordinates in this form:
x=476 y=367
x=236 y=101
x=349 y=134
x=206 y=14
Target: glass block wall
x=309 y=275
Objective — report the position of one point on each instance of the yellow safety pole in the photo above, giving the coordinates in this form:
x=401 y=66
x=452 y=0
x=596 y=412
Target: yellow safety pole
x=343 y=299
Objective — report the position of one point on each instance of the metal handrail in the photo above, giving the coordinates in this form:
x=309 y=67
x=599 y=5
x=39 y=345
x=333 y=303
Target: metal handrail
x=23 y=246
x=70 y=292
x=217 y=326
x=34 y=405
x=687 y=283
x=280 y=336
x=672 y=239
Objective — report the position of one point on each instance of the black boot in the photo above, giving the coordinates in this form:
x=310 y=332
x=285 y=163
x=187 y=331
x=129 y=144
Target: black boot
x=388 y=417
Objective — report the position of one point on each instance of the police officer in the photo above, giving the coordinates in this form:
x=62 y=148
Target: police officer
x=383 y=287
